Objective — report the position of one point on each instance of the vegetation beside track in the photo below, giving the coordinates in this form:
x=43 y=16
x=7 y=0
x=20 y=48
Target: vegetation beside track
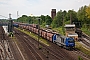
x=82 y=48
x=86 y=31
x=34 y=36
x=59 y=30
x=14 y=39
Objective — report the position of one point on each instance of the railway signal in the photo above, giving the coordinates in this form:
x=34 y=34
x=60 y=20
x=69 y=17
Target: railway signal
x=10 y=25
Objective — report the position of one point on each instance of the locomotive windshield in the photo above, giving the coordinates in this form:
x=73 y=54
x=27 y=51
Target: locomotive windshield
x=71 y=41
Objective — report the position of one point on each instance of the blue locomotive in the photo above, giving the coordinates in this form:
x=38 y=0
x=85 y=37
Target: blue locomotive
x=15 y=25
x=66 y=42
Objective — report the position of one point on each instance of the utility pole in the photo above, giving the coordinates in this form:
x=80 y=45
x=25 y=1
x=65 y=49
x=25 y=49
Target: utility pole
x=32 y=18
x=38 y=27
x=38 y=31
x=70 y=18
x=17 y=16
x=63 y=20
x=63 y=24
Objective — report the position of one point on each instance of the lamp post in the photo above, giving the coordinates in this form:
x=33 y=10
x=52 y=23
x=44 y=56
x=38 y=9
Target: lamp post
x=17 y=16
x=38 y=30
x=32 y=18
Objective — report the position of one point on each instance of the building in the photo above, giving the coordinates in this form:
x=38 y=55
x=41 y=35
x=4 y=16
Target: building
x=53 y=13
x=70 y=31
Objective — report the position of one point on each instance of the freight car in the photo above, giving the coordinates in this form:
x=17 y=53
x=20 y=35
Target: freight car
x=51 y=36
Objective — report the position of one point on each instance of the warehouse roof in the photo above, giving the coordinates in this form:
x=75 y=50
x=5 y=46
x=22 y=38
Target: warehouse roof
x=73 y=34
x=70 y=25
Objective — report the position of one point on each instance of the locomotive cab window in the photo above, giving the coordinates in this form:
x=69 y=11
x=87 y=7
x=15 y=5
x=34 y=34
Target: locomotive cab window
x=71 y=41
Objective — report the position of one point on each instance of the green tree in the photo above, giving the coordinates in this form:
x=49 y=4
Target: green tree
x=29 y=20
x=23 y=19
x=64 y=13
x=48 y=20
x=87 y=24
x=58 y=20
x=71 y=16
x=19 y=19
x=42 y=19
x=81 y=14
x=88 y=11
x=54 y=22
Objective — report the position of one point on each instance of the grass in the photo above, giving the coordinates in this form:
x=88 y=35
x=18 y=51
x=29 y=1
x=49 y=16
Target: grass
x=79 y=58
x=35 y=37
x=14 y=39
x=82 y=48
x=59 y=30
x=87 y=31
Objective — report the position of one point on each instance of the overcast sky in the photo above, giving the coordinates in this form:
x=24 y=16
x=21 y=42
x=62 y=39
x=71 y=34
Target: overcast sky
x=38 y=7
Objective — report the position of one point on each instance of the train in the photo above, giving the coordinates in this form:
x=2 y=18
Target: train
x=66 y=42
x=16 y=25
x=52 y=36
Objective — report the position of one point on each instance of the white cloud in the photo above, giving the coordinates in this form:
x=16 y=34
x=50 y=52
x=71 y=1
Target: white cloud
x=38 y=7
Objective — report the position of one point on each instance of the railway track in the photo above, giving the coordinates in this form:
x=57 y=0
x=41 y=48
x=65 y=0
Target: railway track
x=4 y=46
x=31 y=51
x=84 y=56
x=86 y=40
x=53 y=51
x=2 y=35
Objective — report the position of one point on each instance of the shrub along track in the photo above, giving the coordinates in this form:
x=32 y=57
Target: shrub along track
x=52 y=52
